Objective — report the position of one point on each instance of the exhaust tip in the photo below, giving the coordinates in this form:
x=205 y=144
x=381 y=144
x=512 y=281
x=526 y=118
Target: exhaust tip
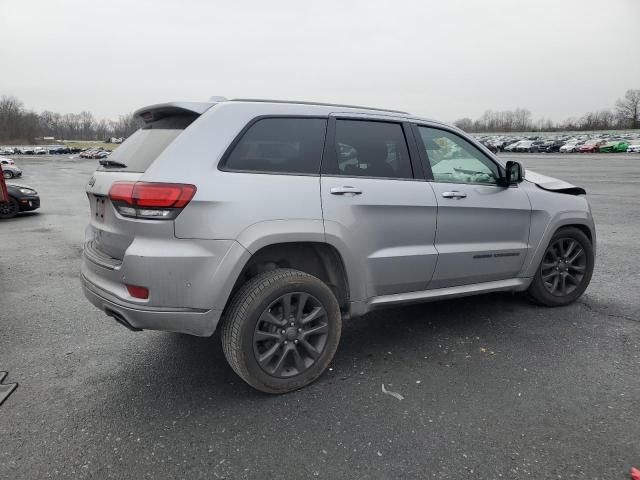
x=121 y=320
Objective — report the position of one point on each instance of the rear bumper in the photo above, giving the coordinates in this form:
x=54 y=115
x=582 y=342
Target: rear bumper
x=182 y=320
x=189 y=282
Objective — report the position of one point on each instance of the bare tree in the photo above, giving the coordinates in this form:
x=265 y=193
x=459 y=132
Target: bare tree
x=628 y=108
x=18 y=125
x=465 y=124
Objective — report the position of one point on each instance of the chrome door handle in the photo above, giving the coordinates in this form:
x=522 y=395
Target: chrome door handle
x=454 y=194
x=345 y=191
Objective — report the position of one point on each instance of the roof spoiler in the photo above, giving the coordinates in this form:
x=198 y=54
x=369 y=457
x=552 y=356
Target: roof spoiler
x=169 y=109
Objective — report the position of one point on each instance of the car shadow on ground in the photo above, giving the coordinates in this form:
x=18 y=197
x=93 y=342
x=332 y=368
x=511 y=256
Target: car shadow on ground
x=20 y=216
x=181 y=370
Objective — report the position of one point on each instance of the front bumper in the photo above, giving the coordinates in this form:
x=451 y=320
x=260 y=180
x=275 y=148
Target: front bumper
x=28 y=203
x=181 y=320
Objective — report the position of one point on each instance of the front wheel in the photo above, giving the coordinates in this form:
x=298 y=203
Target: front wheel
x=7 y=174
x=9 y=209
x=565 y=270
x=281 y=330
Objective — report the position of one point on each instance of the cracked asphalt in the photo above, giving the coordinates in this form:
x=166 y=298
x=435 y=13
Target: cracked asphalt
x=493 y=386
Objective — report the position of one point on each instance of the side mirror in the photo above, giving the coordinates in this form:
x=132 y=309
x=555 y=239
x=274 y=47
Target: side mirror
x=514 y=173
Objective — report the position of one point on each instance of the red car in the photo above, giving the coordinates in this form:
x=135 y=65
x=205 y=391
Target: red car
x=591 y=146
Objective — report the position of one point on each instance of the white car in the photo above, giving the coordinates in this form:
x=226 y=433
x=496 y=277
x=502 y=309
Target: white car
x=11 y=171
x=6 y=161
x=634 y=148
x=569 y=147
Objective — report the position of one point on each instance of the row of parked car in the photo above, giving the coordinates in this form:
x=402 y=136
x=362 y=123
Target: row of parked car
x=603 y=143
x=88 y=152
x=39 y=150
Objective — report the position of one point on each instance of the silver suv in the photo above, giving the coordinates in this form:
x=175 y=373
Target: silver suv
x=277 y=220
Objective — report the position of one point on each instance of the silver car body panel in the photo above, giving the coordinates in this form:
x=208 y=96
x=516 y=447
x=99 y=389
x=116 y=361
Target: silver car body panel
x=552 y=184
x=389 y=229
x=482 y=237
x=400 y=240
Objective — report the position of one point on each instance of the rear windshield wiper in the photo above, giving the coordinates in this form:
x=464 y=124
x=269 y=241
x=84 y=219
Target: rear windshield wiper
x=111 y=163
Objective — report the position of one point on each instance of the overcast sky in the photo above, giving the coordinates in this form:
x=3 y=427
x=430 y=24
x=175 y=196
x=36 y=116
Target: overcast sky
x=439 y=59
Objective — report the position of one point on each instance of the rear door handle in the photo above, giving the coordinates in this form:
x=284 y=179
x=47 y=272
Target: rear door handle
x=345 y=190
x=454 y=194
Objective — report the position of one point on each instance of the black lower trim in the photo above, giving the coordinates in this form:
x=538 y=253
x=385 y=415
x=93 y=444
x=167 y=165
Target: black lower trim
x=121 y=320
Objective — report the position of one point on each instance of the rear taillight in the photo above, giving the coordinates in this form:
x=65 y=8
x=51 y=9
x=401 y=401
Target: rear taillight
x=159 y=201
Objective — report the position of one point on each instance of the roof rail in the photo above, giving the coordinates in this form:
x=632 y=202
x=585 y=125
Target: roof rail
x=263 y=100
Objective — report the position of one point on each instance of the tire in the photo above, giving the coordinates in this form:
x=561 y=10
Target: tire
x=569 y=259
x=7 y=174
x=295 y=349
x=9 y=209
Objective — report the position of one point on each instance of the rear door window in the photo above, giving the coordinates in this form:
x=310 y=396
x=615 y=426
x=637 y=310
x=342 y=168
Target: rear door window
x=279 y=145
x=372 y=149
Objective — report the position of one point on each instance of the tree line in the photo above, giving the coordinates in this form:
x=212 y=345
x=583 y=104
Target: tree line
x=21 y=126
x=625 y=115
x=18 y=125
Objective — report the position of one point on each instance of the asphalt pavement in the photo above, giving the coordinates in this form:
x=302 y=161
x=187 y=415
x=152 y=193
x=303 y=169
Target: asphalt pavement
x=493 y=386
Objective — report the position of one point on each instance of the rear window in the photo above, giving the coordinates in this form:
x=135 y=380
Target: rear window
x=139 y=151
x=280 y=145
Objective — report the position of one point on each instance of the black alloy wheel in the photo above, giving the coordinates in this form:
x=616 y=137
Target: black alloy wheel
x=281 y=330
x=290 y=335
x=563 y=267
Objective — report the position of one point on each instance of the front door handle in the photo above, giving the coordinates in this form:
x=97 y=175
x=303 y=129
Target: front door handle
x=454 y=194
x=345 y=190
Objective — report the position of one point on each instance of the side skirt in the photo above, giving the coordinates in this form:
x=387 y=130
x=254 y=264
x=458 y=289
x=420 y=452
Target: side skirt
x=512 y=284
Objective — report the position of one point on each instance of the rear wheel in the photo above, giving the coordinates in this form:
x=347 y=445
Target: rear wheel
x=565 y=270
x=7 y=174
x=281 y=330
x=9 y=209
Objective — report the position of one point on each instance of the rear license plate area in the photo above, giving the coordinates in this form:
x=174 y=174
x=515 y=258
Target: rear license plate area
x=100 y=209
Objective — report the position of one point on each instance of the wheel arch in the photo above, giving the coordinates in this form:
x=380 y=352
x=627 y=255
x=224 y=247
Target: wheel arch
x=582 y=220
x=316 y=258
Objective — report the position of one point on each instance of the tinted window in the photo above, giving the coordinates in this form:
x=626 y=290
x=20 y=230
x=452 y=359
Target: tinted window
x=454 y=159
x=372 y=149
x=141 y=149
x=280 y=145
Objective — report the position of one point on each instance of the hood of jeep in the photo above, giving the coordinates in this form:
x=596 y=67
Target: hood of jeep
x=553 y=184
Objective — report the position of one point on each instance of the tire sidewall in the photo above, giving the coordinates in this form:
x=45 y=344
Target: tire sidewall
x=302 y=283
